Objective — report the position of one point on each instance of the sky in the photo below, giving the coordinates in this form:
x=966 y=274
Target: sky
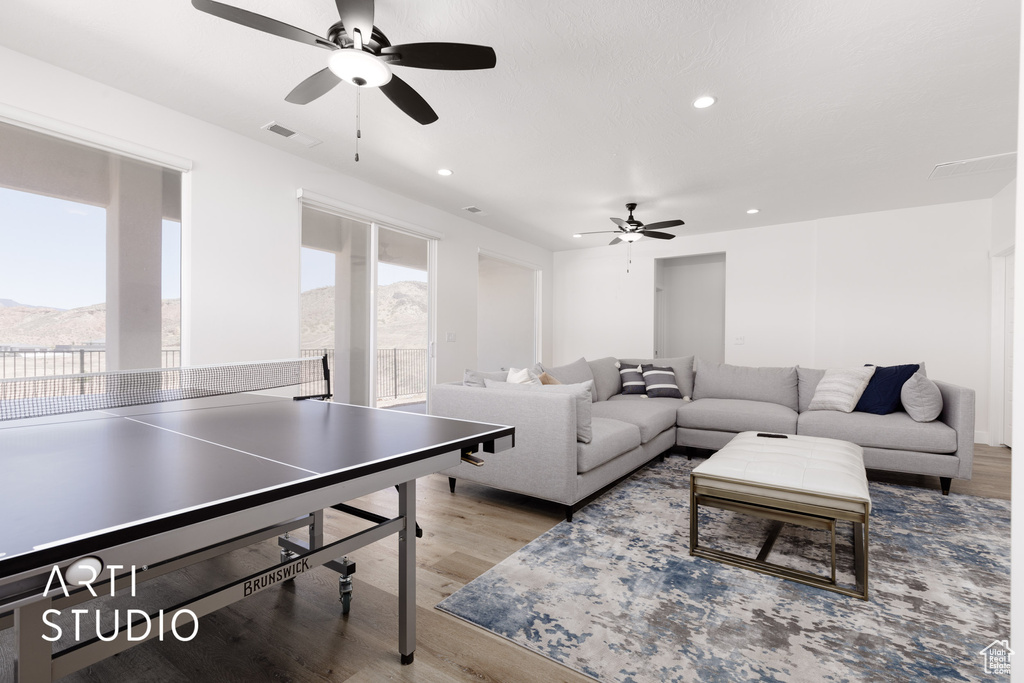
x=53 y=252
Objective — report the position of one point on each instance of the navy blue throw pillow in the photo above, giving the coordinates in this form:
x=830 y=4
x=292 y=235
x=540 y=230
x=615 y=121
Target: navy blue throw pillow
x=882 y=395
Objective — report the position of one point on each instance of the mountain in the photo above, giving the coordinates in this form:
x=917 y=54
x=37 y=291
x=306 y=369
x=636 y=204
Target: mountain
x=11 y=303
x=401 y=316
x=42 y=326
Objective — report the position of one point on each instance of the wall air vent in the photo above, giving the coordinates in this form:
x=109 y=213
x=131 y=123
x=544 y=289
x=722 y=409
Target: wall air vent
x=274 y=127
x=996 y=162
x=473 y=209
x=300 y=138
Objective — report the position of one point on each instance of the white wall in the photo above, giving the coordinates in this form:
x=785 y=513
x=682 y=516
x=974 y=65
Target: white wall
x=1004 y=207
x=888 y=287
x=506 y=317
x=241 y=222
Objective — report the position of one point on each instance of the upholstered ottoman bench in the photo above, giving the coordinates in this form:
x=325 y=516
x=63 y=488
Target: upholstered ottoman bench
x=788 y=479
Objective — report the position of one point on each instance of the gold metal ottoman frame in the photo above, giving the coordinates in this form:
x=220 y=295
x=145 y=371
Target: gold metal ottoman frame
x=781 y=512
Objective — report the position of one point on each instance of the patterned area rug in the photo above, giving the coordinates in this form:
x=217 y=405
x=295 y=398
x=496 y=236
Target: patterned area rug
x=616 y=595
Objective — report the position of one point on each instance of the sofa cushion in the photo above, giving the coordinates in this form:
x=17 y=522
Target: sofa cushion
x=632 y=380
x=475 y=378
x=581 y=392
x=807 y=382
x=840 y=388
x=771 y=385
x=606 y=378
x=883 y=393
x=651 y=415
x=921 y=398
x=736 y=415
x=611 y=439
x=575 y=372
x=682 y=366
x=660 y=381
x=895 y=431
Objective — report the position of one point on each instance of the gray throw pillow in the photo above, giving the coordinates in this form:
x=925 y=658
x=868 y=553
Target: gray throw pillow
x=633 y=380
x=921 y=398
x=841 y=388
x=660 y=381
x=475 y=378
x=581 y=392
x=606 y=378
x=574 y=373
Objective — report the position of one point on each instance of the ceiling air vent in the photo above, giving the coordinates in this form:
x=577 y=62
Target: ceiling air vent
x=996 y=162
x=300 y=138
x=473 y=209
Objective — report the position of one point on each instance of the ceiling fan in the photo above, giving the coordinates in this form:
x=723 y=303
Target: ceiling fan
x=362 y=55
x=630 y=230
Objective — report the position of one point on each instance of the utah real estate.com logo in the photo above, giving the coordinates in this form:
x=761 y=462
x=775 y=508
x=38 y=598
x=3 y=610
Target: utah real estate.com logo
x=997 y=657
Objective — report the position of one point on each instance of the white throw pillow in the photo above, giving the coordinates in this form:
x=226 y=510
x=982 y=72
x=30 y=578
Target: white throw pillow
x=841 y=388
x=522 y=376
x=921 y=398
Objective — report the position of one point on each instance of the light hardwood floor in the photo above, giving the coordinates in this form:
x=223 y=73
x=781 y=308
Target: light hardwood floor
x=294 y=632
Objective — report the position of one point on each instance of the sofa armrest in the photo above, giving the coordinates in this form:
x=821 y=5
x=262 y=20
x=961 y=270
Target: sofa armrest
x=543 y=462
x=958 y=413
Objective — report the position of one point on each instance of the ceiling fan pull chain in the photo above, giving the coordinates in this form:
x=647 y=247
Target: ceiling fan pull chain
x=359 y=132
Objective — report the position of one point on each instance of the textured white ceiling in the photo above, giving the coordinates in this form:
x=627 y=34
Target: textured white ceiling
x=824 y=107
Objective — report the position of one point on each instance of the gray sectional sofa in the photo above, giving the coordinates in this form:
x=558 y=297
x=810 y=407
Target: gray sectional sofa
x=553 y=459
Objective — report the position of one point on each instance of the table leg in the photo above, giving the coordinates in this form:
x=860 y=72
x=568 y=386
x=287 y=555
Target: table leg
x=32 y=663
x=407 y=571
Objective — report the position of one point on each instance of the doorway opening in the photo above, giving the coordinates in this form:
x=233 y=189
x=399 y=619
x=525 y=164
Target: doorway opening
x=689 y=315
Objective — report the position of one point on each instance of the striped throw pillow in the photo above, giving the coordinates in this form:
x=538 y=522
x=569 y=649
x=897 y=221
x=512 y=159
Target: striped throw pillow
x=660 y=382
x=841 y=388
x=633 y=380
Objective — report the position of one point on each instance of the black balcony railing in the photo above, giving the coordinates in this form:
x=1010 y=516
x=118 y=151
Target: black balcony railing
x=28 y=362
x=401 y=373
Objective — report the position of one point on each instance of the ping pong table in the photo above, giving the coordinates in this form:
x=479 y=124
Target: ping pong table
x=140 y=491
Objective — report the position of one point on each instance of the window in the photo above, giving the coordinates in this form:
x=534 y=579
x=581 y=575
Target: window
x=90 y=252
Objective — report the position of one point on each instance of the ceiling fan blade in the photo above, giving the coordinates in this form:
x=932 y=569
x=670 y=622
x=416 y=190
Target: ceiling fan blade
x=261 y=23
x=313 y=87
x=621 y=223
x=447 y=56
x=615 y=241
x=408 y=100
x=598 y=232
x=657 y=235
x=357 y=15
x=661 y=225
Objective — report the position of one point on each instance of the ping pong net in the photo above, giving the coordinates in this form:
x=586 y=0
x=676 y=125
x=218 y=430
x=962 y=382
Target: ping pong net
x=58 y=394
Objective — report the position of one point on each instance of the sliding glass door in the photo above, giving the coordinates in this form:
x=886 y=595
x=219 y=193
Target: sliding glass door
x=335 y=300
x=366 y=304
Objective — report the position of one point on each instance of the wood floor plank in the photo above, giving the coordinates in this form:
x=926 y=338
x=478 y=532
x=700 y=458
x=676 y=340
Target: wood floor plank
x=295 y=632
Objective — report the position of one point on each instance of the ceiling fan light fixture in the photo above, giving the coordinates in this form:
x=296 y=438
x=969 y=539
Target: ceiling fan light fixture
x=630 y=236
x=359 y=68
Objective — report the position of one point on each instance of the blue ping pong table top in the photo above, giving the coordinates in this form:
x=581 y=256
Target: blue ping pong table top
x=70 y=480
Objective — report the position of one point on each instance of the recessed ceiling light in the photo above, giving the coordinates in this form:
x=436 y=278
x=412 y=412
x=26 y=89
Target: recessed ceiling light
x=444 y=171
x=577 y=235
x=704 y=102
x=753 y=210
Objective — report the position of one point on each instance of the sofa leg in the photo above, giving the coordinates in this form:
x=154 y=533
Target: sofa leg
x=451 y=484
x=568 y=513
x=945 y=482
